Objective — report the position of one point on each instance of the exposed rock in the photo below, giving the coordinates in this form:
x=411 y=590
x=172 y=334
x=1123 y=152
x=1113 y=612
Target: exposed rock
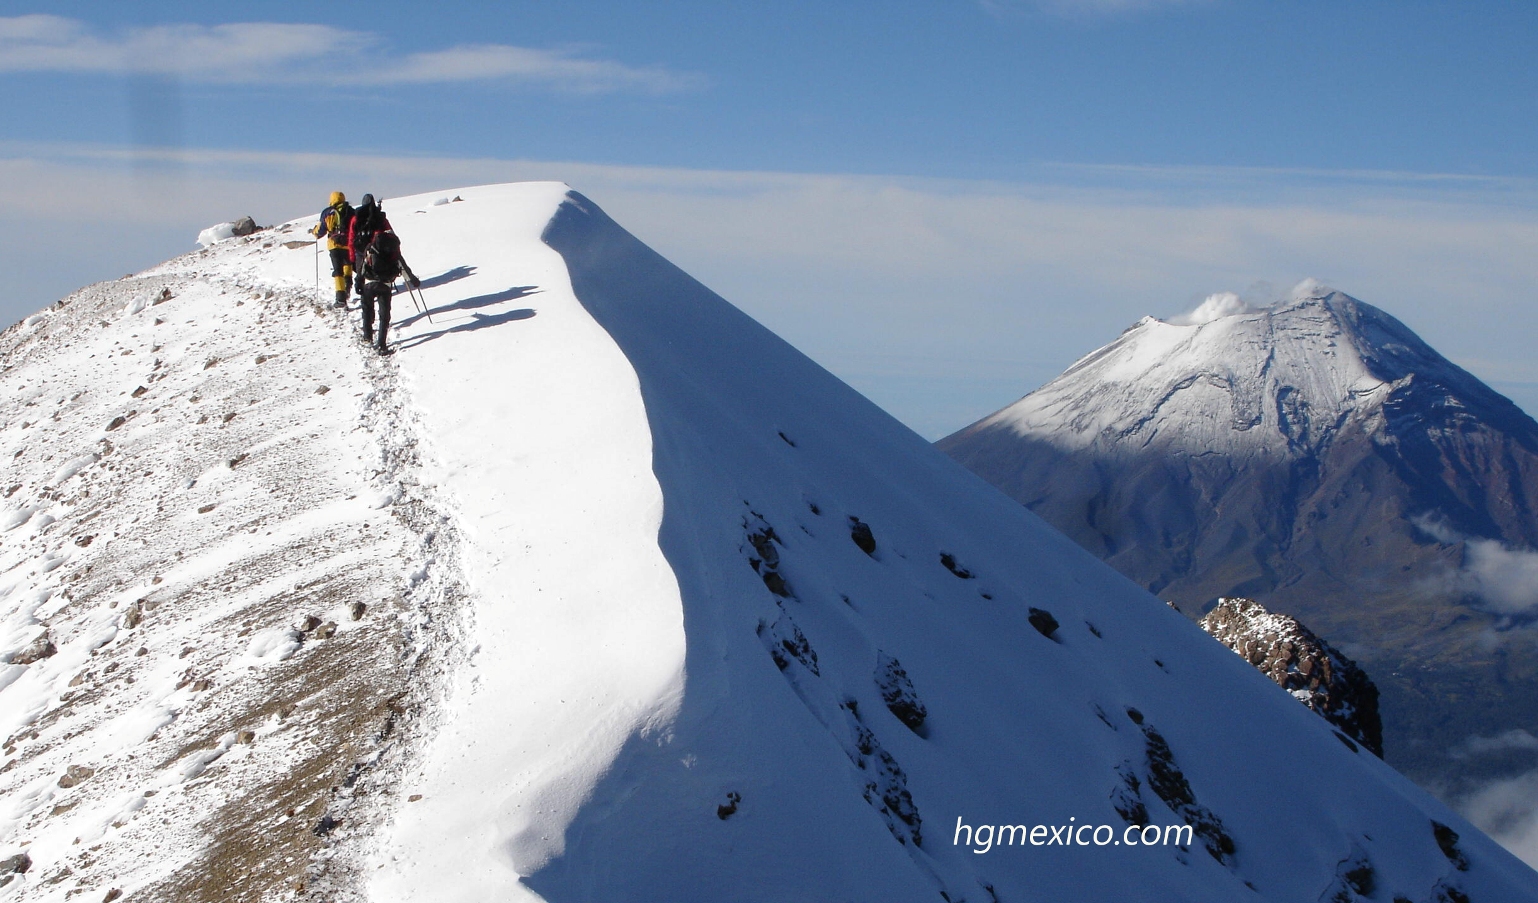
x=729 y=808
x=763 y=542
x=1447 y=841
x=1126 y=796
x=15 y=865
x=1042 y=620
x=949 y=561
x=74 y=775
x=40 y=648
x=1169 y=783
x=898 y=693
x=785 y=642
x=776 y=583
x=860 y=532
x=244 y=226
x=887 y=787
x=1355 y=877
x=1303 y=664
x=762 y=539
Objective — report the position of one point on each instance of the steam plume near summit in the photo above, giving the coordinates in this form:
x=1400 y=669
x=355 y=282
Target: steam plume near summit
x=1221 y=304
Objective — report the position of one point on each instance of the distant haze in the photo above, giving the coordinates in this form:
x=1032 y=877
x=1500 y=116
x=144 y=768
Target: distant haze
x=940 y=299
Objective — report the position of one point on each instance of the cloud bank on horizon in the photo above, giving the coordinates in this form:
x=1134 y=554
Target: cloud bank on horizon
x=941 y=299
x=306 y=54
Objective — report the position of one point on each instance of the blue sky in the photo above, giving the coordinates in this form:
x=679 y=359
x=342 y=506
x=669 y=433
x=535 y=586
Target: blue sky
x=969 y=90
x=944 y=203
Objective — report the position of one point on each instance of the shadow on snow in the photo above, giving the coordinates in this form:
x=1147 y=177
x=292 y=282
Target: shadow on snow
x=477 y=321
x=474 y=303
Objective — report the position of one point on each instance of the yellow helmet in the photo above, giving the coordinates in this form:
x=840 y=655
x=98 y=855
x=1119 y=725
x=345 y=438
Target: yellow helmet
x=337 y=197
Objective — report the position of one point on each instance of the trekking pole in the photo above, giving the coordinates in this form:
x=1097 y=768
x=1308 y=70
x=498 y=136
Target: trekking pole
x=418 y=299
x=423 y=302
x=317 y=272
x=407 y=286
x=419 y=303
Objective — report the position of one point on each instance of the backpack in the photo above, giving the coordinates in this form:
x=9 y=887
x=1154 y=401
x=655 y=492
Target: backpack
x=382 y=260
x=342 y=215
x=368 y=220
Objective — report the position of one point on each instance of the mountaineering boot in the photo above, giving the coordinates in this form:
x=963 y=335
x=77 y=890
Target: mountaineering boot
x=368 y=337
x=341 y=297
x=383 y=349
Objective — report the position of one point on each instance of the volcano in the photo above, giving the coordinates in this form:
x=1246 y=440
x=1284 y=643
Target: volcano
x=1321 y=458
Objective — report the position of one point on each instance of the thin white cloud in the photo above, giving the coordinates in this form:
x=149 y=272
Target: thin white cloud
x=490 y=62
x=303 y=54
x=1515 y=739
x=1507 y=810
x=1504 y=580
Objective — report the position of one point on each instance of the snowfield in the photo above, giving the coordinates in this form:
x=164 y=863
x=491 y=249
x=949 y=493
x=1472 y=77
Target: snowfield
x=596 y=590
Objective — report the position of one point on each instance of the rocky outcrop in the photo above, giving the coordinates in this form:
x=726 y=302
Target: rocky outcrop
x=1303 y=664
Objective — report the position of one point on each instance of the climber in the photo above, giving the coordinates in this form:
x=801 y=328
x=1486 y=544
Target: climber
x=382 y=264
x=336 y=225
x=368 y=220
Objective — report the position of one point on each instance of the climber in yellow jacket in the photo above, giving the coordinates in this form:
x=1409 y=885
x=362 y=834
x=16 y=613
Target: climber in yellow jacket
x=336 y=224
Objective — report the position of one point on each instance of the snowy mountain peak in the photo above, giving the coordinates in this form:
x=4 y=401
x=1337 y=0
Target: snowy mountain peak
x=1226 y=378
x=1317 y=456
x=596 y=590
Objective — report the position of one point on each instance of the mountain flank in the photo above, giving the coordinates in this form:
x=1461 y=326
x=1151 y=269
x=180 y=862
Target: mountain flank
x=1318 y=457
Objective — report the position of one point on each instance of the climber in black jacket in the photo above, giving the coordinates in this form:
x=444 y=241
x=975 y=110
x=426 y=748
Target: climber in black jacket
x=381 y=265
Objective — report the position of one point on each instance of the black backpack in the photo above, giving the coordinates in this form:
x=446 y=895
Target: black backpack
x=382 y=260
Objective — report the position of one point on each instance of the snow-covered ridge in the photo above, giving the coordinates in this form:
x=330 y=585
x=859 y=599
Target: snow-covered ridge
x=217 y=579
x=656 y=608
